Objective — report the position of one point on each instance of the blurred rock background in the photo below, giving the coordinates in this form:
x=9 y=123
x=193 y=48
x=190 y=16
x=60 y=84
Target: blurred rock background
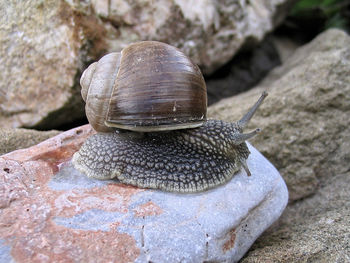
x=45 y=46
x=288 y=47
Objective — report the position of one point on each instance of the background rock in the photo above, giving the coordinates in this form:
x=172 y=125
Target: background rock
x=306 y=135
x=13 y=139
x=46 y=44
x=305 y=119
x=243 y=72
x=210 y=32
x=285 y=46
x=39 y=60
x=314 y=230
x=51 y=212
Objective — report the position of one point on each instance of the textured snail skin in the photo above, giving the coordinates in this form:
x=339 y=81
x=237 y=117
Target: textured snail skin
x=191 y=160
x=183 y=161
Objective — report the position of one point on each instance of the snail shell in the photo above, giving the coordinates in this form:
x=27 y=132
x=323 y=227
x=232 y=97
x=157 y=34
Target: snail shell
x=148 y=86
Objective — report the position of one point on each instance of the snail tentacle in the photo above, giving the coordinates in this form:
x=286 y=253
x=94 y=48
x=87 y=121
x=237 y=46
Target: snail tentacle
x=245 y=167
x=242 y=137
x=246 y=118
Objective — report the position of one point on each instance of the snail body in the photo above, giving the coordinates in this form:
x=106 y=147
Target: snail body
x=171 y=151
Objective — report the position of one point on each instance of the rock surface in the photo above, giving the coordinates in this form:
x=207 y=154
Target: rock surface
x=46 y=44
x=17 y=138
x=51 y=212
x=305 y=132
x=210 y=32
x=243 y=72
x=315 y=230
x=305 y=118
x=39 y=60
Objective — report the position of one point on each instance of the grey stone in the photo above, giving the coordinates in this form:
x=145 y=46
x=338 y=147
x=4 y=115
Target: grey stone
x=305 y=118
x=315 y=230
x=5 y=252
x=305 y=133
x=217 y=225
x=94 y=219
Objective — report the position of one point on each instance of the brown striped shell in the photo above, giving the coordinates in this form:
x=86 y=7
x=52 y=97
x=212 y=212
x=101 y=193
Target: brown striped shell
x=148 y=86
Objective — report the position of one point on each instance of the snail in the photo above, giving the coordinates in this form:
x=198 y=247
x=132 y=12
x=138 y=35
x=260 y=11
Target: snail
x=148 y=105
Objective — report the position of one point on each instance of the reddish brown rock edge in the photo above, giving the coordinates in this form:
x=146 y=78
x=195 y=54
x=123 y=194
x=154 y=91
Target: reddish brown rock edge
x=28 y=207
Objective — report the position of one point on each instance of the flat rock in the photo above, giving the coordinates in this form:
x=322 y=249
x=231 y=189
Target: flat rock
x=51 y=212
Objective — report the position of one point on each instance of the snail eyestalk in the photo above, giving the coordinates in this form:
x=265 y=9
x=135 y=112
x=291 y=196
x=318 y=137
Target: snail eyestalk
x=245 y=167
x=246 y=118
x=242 y=137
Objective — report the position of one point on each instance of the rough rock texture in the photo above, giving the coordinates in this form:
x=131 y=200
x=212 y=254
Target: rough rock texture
x=315 y=230
x=305 y=122
x=13 y=139
x=45 y=45
x=243 y=72
x=39 y=60
x=210 y=32
x=305 y=119
x=51 y=212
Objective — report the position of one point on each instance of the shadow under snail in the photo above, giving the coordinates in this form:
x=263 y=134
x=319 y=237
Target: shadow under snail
x=148 y=104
